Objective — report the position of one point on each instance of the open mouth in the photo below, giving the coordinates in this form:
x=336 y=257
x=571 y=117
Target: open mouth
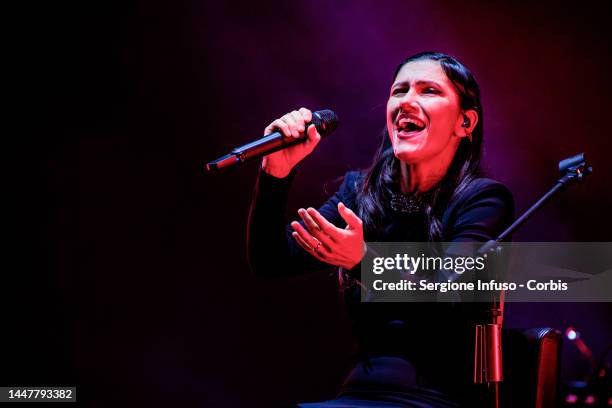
x=409 y=126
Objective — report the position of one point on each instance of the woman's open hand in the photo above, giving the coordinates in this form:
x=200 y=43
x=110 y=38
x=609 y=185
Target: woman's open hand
x=280 y=163
x=328 y=243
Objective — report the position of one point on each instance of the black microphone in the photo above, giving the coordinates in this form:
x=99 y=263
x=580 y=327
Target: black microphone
x=325 y=121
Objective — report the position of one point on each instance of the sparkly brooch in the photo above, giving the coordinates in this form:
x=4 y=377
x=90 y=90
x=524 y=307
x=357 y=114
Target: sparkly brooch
x=409 y=204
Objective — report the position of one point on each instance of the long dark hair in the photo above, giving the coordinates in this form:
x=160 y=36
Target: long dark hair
x=382 y=178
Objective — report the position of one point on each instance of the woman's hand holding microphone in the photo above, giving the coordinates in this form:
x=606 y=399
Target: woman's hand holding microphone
x=320 y=238
x=280 y=163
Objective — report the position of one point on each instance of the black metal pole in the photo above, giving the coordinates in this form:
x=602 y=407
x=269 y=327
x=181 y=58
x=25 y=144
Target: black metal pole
x=487 y=358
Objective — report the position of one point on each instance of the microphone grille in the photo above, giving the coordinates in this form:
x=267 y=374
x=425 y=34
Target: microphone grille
x=326 y=121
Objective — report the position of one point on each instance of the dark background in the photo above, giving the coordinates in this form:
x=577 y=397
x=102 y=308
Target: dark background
x=127 y=273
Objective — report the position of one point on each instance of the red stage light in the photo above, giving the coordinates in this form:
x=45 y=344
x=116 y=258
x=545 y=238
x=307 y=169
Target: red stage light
x=571 y=398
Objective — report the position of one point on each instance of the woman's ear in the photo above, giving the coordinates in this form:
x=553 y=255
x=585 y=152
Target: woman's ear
x=467 y=124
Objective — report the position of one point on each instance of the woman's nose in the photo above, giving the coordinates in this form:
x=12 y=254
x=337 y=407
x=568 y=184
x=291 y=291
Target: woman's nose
x=409 y=100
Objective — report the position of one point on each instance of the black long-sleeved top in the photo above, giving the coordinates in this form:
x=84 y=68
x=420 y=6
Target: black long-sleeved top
x=437 y=338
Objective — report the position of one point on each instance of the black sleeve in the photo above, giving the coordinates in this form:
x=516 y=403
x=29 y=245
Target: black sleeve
x=271 y=249
x=481 y=213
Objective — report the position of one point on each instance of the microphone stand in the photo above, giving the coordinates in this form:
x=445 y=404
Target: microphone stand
x=487 y=347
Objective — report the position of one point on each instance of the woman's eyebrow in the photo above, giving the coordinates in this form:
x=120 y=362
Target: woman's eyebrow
x=434 y=83
x=419 y=83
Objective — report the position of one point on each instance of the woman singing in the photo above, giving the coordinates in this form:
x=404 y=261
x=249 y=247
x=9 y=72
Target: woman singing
x=424 y=185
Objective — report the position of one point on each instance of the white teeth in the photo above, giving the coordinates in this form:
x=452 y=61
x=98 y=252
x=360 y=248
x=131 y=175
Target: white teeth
x=404 y=122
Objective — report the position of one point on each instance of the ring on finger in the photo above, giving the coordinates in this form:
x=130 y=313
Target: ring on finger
x=316 y=249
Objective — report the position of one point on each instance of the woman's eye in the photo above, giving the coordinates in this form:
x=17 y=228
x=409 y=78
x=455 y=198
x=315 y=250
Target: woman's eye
x=397 y=91
x=431 y=90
